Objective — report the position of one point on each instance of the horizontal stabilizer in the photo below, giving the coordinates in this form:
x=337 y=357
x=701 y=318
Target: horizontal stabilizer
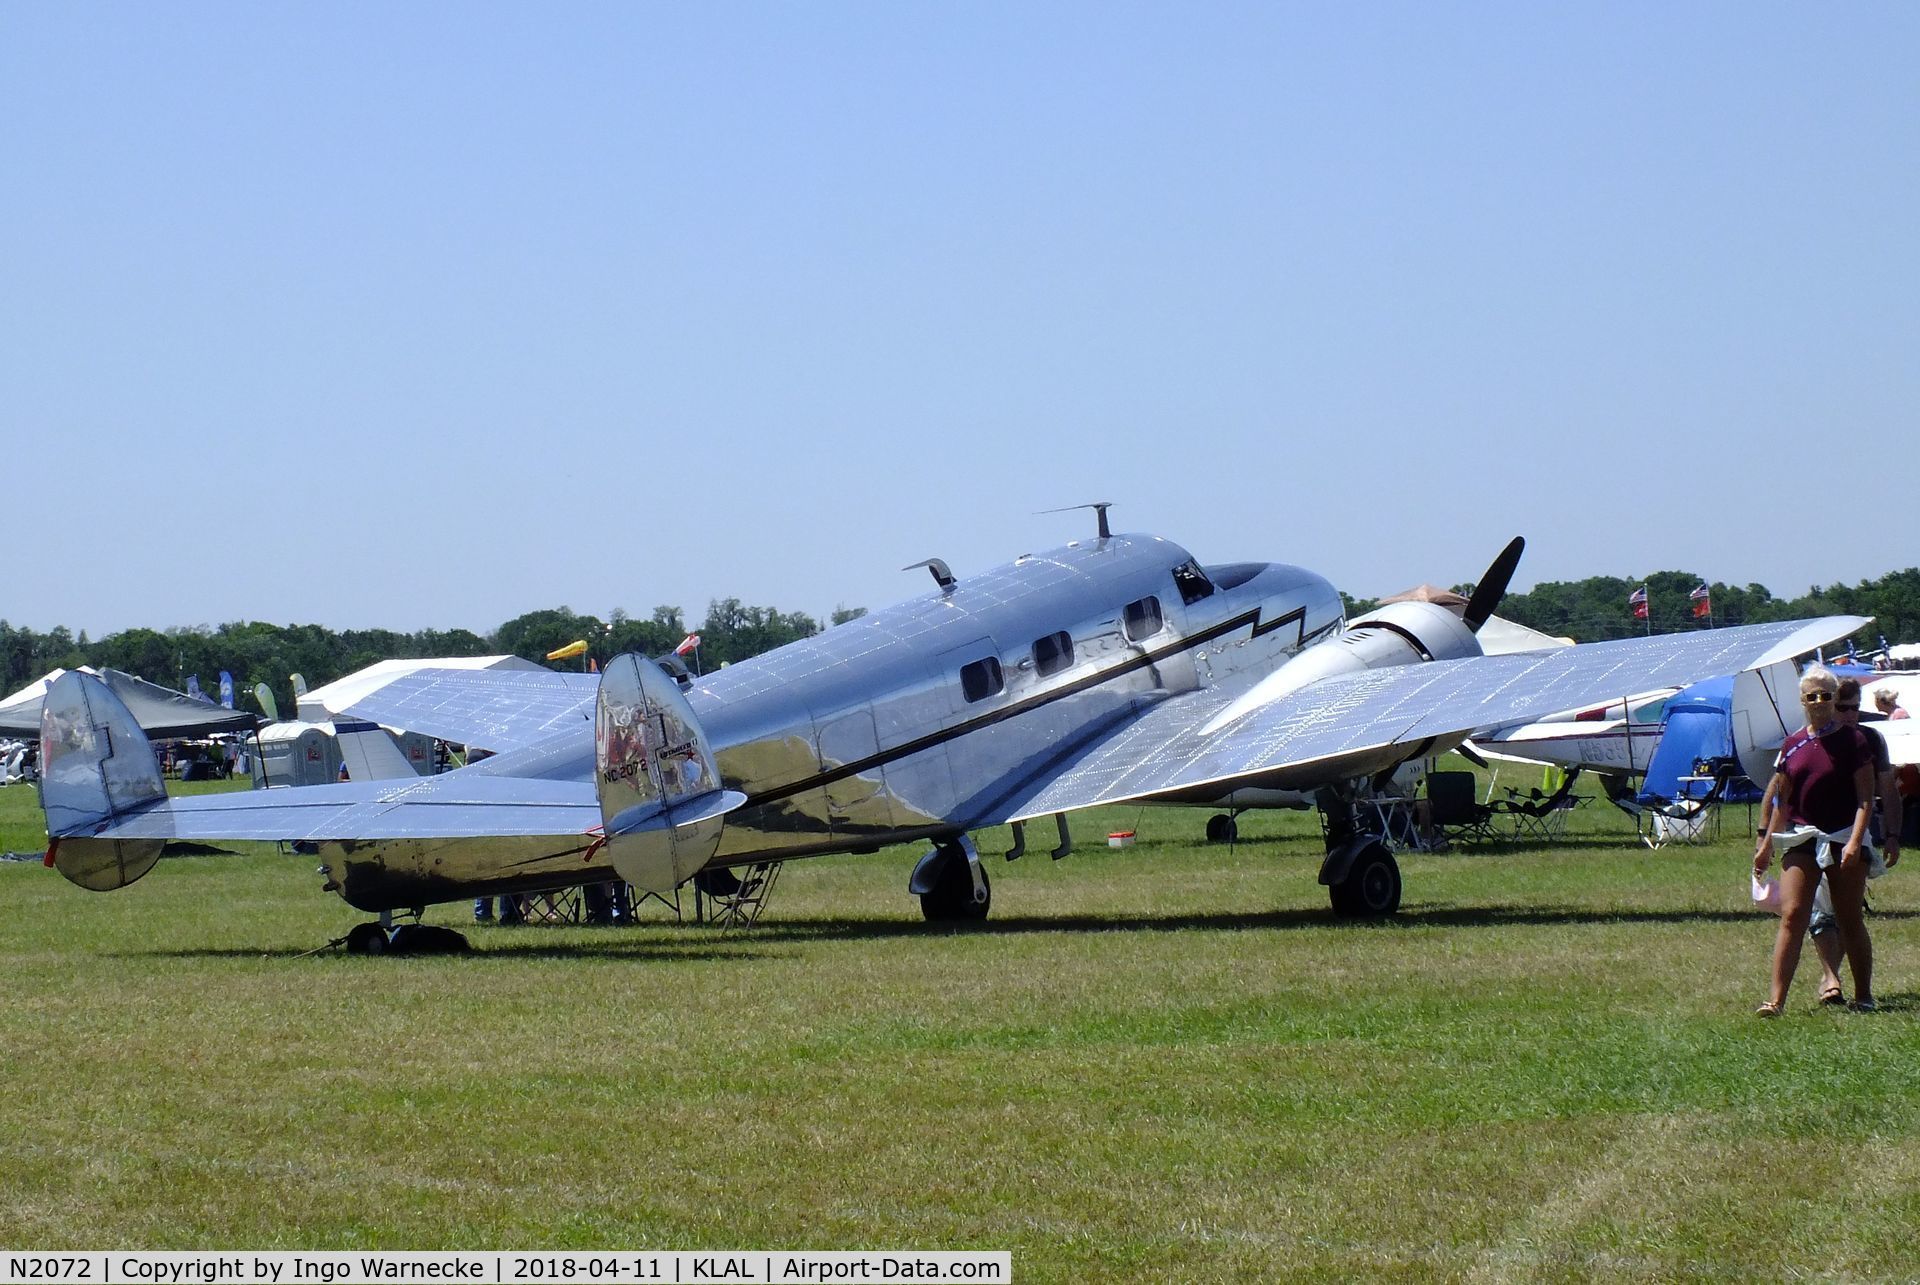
x=458 y=805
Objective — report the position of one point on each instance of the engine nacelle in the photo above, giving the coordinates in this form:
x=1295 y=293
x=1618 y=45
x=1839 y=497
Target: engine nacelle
x=1400 y=633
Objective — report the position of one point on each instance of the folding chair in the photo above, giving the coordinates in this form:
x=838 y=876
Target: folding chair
x=1456 y=813
x=1542 y=816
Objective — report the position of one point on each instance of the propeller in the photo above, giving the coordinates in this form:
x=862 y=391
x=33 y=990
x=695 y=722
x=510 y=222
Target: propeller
x=1493 y=585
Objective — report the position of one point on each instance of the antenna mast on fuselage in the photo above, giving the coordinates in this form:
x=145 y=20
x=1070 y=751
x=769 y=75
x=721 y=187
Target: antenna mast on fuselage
x=1099 y=507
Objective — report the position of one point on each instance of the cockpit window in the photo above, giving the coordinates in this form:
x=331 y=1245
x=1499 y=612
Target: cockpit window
x=1143 y=619
x=1192 y=582
x=1231 y=575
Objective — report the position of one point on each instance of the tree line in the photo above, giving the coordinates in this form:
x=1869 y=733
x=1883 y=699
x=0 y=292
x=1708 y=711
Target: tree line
x=1597 y=608
x=257 y=652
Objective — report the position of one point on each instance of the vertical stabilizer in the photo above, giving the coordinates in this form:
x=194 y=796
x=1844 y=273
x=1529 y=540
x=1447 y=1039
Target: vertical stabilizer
x=1766 y=707
x=661 y=801
x=96 y=766
x=369 y=752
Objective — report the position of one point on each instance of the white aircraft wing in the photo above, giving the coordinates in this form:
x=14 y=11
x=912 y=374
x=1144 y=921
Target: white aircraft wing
x=1903 y=739
x=494 y=709
x=1173 y=747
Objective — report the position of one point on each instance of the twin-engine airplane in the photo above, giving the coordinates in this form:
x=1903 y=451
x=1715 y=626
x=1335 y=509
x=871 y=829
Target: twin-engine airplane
x=1113 y=669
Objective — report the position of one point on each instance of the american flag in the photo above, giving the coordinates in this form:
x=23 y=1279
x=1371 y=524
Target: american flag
x=1638 y=601
x=1702 y=603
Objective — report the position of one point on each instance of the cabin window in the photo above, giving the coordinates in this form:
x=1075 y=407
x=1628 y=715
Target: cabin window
x=1143 y=618
x=1192 y=582
x=1052 y=653
x=981 y=679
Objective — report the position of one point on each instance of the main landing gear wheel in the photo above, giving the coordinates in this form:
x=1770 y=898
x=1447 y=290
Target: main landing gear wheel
x=951 y=899
x=407 y=939
x=367 y=939
x=1221 y=828
x=1371 y=889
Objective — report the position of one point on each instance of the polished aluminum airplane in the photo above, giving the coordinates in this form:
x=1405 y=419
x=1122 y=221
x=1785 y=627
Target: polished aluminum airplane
x=1115 y=668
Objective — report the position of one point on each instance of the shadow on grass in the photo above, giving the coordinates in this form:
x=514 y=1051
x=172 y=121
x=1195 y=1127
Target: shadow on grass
x=711 y=949
x=695 y=943
x=1898 y=1002
x=1408 y=918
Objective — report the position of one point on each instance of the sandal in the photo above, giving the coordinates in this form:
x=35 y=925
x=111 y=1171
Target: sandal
x=1833 y=998
x=1863 y=1006
x=1768 y=1009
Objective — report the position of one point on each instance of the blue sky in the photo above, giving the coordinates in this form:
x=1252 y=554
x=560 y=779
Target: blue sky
x=428 y=315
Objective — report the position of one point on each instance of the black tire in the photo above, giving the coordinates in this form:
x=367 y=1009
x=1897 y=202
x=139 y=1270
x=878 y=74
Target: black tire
x=1222 y=828
x=951 y=900
x=1371 y=889
x=367 y=939
x=428 y=939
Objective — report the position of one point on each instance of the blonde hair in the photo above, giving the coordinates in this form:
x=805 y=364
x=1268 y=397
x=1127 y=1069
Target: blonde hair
x=1819 y=676
x=1885 y=699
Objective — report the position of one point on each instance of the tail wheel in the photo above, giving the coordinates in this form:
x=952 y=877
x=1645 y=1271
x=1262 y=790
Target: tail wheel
x=1371 y=889
x=1221 y=828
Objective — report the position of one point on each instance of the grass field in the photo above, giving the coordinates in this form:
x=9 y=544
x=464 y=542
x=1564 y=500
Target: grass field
x=1165 y=1063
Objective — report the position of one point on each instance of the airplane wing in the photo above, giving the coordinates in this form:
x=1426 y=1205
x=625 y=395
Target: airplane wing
x=1903 y=739
x=494 y=709
x=1182 y=744
x=457 y=805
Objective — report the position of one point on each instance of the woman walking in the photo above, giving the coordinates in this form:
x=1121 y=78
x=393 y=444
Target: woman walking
x=1822 y=800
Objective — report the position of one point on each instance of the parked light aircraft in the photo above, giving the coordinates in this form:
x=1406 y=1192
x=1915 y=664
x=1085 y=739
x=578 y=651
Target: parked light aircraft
x=1614 y=739
x=1115 y=668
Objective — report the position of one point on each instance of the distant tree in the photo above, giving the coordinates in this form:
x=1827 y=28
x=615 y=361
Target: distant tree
x=843 y=613
x=536 y=633
x=652 y=637
x=140 y=652
x=733 y=632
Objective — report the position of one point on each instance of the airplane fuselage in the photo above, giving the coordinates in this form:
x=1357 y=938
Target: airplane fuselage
x=913 y=721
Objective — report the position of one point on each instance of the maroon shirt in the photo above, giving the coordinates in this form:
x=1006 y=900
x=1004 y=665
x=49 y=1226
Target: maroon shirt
x=1820 y=775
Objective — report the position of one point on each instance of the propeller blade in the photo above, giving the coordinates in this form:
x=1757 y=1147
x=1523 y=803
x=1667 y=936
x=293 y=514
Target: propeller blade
x=1493 y=585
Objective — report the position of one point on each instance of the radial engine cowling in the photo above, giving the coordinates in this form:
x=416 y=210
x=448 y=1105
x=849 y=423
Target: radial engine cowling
x=1400 y=633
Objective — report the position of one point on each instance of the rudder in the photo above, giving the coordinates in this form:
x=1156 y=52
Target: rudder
x=96 y=766
x=661 y=801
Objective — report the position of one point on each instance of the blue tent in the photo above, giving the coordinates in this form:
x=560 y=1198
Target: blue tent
x=1696 y=749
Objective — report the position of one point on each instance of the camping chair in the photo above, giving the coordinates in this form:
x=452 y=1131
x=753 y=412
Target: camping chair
x=1538 y=815
x=1688 y=819
x=1457 y=814
x=731 y=898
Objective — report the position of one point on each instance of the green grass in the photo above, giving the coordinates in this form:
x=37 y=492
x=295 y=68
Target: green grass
x=1168 y=1062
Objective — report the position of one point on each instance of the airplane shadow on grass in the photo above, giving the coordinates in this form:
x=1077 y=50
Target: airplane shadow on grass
x=1411 y=917
x=714 y=945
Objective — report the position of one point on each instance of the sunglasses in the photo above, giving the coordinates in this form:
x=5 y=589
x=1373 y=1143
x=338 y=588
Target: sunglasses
x=1847 y=709
x=1815 y=698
